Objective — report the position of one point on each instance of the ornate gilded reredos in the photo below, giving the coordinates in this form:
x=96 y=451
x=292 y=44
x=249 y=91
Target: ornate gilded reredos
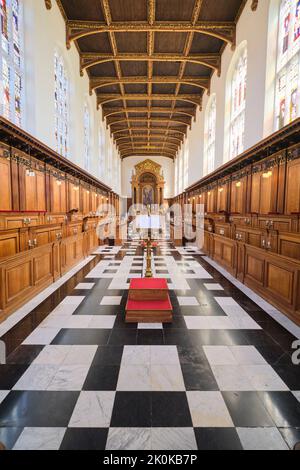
x=148 y=166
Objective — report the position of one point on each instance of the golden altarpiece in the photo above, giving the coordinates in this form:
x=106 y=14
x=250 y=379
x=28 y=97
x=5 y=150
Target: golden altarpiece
x=147 y=183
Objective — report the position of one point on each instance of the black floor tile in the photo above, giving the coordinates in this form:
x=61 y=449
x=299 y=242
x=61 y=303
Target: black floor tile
x=102 y=378
x=192 y=355
x=37 y=409
x=120 y=337
x=82 y=336
x=131 y=409
x=217 y=439
x=152 y=337
x=170 y=409
x=24 y=354
x=283 y=407
x=84 y=439
x=199 y=377
x=10 y=374
x=108 y=356
x=9 y=436
x=247 y=410
x=178 y=337
x=290 y=374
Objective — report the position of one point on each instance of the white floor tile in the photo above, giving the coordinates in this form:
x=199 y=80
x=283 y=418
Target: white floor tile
x=213 y=286
x=111 y=300
x=85 y=285
x=173 y=439
x=188 y=301
x=3 y=395
x=164 y=355
x=93 y=410
x=219 y=355
x=134 y=378
x=136 y=355
x=69 y=378
x=297 y=395
x=129 y=439
x=36 y=377
x=42 y=336
x=208 y=410
x=261 y=439
x=102 y=321
x=40 y=439
x=166 y=378
x=150 y=326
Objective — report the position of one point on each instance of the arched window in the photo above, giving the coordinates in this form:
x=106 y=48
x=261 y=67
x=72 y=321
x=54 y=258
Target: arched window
x=11 y=61
x=238 y=103
x=87 y=137
x=210 y=135
x=61 y=101
x=287 y=106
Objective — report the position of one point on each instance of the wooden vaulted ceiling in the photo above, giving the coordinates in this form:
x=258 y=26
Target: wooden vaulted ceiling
x=149 y=63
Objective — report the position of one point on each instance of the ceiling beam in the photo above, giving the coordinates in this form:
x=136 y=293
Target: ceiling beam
x=224 y=30
x=107 y=112
x=212 y=61
x=148 y=146
x=156 y=129
x=154 y=137
x=107 y=98
x=202 y=82
x=147 y=154
x=120 y=121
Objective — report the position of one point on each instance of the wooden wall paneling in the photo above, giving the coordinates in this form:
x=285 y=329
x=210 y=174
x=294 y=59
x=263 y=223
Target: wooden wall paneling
x=5 y=184
x=41 y=191
x=9 y=243
x=281 y=190
x=289 y=245
x=222 y=198
x=293 y=187
x=255 y=193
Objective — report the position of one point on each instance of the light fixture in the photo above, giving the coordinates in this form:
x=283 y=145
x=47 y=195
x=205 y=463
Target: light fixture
x=208 y=193
x=30 y=172
x=221 y=190
x=267 y=174
x=58 y=182
x=200 y=196
x=76 y=188
x=238 y=184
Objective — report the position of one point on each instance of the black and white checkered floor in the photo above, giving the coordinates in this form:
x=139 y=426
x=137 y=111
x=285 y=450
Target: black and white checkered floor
x=219 y=377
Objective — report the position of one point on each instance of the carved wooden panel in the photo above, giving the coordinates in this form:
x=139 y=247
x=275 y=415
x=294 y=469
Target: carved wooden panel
x=293 y=187
x=5 y=185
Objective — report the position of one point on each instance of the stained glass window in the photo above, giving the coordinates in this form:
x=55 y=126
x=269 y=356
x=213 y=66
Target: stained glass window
x=238 y=104
x=87 y=134
x=61 y=103
x=11 y=61
x=210 y=135
x=287 y=107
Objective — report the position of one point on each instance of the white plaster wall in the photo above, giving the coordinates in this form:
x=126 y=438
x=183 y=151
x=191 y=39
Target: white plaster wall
x=44 y=34
x=129 y=163
x=253 y=28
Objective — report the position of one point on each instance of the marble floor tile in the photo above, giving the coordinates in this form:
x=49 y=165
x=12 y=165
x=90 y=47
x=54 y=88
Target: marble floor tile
x=166 y=378
x=69 y=378
x=208 y=409
x=261 y=439
x=208 y=323
x=264 y=378
x=232 y=378
x=73 y=300
x=187 y=301
x=164 y=355
x=3 y=395
x=36 y=377
x=129 y=439
x=111 y=300
x=213 y=286
x=247 y=355
x=42 y=336
x=40 y=439
x=150 y=326
x=134 y=378
x=136 y=355
x=173 y=439
x=219 y=355
x=80 y=355
x=85 y=285
x=52 y=355
x=102 y=321
x=93 y=410
x=297 y=395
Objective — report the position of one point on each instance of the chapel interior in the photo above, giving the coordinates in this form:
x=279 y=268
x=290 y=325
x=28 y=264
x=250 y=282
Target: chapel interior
x=149 y=225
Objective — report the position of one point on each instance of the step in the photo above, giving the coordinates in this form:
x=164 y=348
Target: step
x=148 y=289
x=153 y=311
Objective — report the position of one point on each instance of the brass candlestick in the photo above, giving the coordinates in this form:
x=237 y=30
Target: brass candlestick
x=148 y=260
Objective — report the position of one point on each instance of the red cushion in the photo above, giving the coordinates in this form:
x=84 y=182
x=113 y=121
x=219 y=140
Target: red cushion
x=148 y=283
x=149 y=305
